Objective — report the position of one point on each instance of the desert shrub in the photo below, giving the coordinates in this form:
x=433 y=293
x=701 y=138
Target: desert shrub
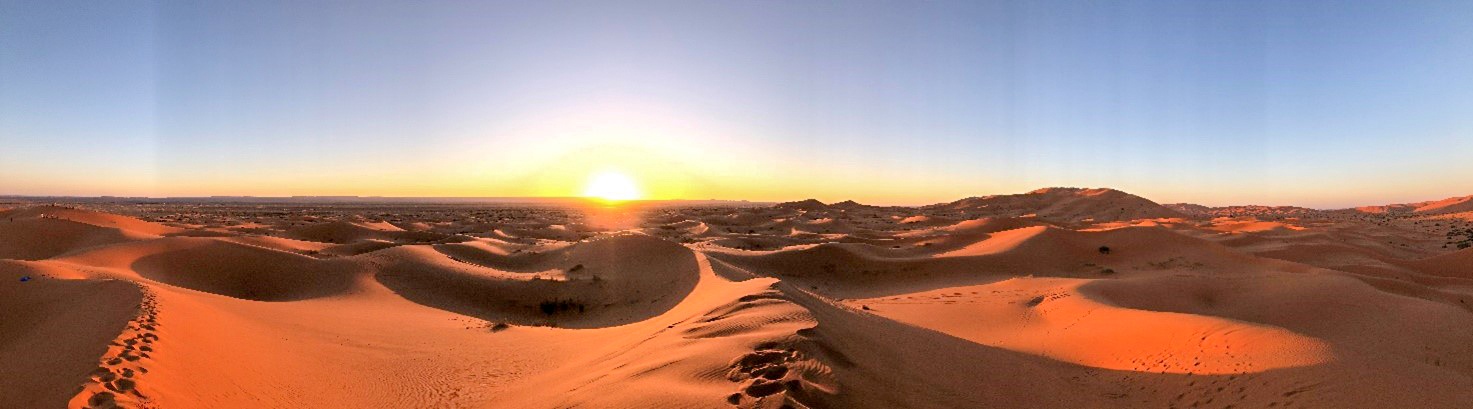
x=829 y=268
x=560 y=306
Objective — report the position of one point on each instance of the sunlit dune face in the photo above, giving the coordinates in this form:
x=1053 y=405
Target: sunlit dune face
x=611 y=186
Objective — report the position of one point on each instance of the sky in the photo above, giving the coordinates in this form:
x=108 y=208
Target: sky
x=1321 y=104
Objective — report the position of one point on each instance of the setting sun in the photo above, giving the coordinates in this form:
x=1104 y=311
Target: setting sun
x=611 y=186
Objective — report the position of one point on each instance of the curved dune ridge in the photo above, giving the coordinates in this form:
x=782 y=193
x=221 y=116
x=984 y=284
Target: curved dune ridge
x=243 y=271
x=47 y=231
x=1054 y=298
x=602 y=282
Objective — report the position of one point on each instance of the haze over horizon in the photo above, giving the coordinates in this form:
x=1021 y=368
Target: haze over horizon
x=1323 y=105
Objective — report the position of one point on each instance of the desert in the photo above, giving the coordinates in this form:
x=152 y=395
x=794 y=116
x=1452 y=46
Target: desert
x=736 y=204
x=1058 y=297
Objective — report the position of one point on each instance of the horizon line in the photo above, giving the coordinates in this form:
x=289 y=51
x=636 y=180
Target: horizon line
x=452 y=199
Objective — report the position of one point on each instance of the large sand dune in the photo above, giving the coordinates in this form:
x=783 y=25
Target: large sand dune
x=1057 y=298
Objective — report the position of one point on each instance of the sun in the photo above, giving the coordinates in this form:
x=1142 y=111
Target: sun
x=611 y=186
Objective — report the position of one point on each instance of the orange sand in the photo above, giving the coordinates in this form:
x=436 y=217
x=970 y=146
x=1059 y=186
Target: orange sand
x=997 y=301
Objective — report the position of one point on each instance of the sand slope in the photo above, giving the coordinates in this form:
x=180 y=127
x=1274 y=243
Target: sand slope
x=52 y=332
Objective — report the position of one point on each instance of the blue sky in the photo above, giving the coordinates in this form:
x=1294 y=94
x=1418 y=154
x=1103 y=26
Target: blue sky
x=1324 y=104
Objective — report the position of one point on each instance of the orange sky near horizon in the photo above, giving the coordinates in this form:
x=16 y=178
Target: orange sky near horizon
x=669 y=173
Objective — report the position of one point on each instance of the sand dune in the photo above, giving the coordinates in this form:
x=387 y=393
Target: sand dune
x=36 y=239
x=603 y=282
x=1052 y=318
x=1449 y=205
x=52 y=332
x=1457 y=264
x=242 y=271
x=90 y=218
x=1067 y=204
x=348 y=232
x=1053 y=298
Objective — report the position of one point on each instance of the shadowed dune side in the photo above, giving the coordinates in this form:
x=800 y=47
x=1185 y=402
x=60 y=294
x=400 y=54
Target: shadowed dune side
x=220 y=266
x=52 y=333
x=247 y=272
x=43 y=238
x=42 y=232
x=603 y=282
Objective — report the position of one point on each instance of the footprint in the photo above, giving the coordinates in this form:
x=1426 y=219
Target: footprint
x=767 y=374
x=114 y=383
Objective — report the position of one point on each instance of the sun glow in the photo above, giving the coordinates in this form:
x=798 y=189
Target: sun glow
x=611 y=186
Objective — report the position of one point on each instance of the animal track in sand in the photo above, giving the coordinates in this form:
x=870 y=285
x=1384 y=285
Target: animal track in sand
x=114 y=383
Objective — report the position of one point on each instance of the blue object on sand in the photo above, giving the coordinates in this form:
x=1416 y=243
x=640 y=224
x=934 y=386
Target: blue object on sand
x=25 y=278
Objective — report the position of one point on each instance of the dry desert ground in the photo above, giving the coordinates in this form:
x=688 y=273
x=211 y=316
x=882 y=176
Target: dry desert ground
x=1056 y=298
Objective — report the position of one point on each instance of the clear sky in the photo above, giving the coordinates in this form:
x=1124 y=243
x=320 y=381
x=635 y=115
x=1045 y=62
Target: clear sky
x=1325 y=104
